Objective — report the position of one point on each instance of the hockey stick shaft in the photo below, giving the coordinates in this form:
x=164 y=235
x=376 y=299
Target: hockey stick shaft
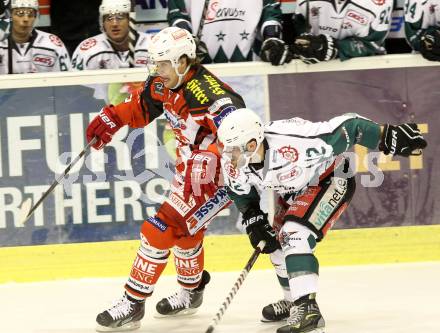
x=202 y=19
x=237 y=285
x=132 y=34
x=57 y=181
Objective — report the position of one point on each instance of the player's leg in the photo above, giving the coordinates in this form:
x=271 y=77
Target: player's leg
x=279 y=310
x=157 y=236
x=307 y=220
x=188 y=251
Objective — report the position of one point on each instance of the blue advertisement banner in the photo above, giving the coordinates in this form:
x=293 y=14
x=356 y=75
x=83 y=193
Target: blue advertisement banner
x=106 y=195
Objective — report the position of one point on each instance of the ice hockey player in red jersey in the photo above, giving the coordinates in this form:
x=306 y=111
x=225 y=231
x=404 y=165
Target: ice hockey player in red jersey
x=195 y=102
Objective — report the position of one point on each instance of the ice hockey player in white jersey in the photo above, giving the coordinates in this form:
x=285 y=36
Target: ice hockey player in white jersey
x=327 y=29
x=232 y=30
x=422 y=23
x=110 y=49
x=31 y=50
x=303 y=162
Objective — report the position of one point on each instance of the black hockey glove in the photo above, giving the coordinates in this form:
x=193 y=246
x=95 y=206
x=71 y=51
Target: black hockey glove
x=258 y=229
x=403 y=140
x=430 y=45
x=312 y=49
x=275 y=51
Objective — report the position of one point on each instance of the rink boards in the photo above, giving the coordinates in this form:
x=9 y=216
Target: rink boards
x=222 y=253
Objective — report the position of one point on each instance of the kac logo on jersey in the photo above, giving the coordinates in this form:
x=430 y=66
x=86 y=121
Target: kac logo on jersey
x=43 y=60
x=222 y=115
x=56 y=40
x=289 y=153
x=88 y=44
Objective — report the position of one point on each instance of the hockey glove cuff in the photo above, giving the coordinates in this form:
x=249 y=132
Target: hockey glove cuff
x=275 y=51
x=430 y=45
x=103 y=126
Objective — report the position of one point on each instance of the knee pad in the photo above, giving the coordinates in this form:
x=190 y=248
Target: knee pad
x=296 y=239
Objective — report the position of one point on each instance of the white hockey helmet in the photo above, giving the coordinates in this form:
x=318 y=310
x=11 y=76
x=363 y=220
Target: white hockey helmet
x=172 y=43
x=236 y=130
x=109 y=7
x=24 y=4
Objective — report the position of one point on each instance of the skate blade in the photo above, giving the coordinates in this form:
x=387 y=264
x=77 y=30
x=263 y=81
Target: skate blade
x=134 y=325
x=264 y=320
x=183 y=313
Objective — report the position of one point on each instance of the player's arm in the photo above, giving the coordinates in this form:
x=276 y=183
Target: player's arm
x=345 y=131
x=372 y=43
x=138 y=110
x=178 y=15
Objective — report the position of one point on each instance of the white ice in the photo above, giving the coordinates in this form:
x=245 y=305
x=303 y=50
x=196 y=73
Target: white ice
x=401 y=298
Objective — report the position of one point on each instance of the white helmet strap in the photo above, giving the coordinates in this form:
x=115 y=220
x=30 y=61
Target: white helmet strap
x=181 y=76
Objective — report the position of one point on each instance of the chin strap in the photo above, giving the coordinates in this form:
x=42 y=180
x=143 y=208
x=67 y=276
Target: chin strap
x=181 y=76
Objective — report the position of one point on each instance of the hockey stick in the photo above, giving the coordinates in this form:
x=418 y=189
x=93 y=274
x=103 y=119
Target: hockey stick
x=202 y=19
x=26 y=210
x=237 y=285
x=131 y=34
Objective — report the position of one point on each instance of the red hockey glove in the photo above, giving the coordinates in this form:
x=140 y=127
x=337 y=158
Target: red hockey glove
x=103 y=126
x=201 y=175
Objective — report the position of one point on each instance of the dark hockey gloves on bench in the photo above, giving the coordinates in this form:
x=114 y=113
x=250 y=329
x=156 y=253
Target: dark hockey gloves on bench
x=312 y=49
x=258 y=229
x=403 y=140
x=430 y=45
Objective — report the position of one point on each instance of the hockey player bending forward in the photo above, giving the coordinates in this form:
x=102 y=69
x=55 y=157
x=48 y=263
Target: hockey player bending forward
x=302 y=162
x=194 y=101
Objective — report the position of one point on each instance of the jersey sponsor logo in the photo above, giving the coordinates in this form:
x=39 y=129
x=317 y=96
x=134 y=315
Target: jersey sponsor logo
x=329 y=202
x=218 y=200
x=88 y=44
x=216 y=13
x=43 y=60
x=178 y=204
x=56 y=40
x=289 y=175
x=222 y=115
x=324 y=28
x=218 y=104
x=175 y=122
x=357 y=17
x=213 y=85
x=289 y=153
x=141 y=61
x=157 y=223
x=158 y=88
x=194 y=87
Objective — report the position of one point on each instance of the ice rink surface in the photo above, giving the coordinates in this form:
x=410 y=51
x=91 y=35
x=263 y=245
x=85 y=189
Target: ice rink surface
x=401 y=298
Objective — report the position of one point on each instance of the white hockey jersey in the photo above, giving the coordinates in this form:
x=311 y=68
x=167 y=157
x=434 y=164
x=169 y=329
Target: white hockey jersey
x=298 y=152
x=360 y=26
x=420 y=15
x=230 y=26
x=97 y=53
x=44 y=52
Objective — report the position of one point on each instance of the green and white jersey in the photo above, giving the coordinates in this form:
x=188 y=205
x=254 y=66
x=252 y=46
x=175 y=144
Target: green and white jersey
x=420 y=16
x=359 y=26
x=230 y=26
x=298 y=152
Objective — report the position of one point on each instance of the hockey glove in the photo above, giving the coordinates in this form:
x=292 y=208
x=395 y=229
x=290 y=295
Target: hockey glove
x=275 y=51
x=312 y=49
x=258 y=229
x=201 y=175
x=403 y=140
x=103 y=126
x=430 y=45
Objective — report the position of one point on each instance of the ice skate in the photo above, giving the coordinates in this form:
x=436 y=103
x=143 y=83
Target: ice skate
x=305 y=317
x=276 y=311
x=184 y=302
x=124 y=315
